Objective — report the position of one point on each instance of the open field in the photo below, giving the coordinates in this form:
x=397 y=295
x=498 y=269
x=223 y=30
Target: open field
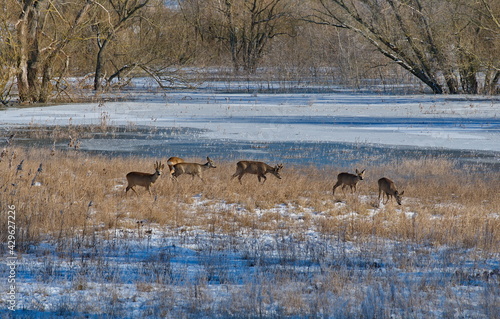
x=288 y=248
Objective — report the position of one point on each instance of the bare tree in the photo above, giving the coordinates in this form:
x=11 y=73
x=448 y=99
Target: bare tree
x=154 y=41
x=7 y=68
x=480 y=44
x=450 y=45
x=243 y=27
x=115 y=17
x=419 y=35
x=42 y=33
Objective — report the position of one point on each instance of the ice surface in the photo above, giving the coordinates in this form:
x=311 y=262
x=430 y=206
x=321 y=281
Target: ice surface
x=450 y=122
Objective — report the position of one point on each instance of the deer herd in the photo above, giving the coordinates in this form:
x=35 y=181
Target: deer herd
x=177 y=167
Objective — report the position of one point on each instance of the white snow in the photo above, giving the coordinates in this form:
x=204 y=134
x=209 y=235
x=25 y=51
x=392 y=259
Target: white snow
x=450 y=122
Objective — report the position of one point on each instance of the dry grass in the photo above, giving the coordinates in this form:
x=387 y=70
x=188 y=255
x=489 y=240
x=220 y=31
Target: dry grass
x=77 y=194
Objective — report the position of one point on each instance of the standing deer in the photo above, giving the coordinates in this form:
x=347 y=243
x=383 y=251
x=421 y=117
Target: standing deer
x=347 y=179
x=144 y=179
x=193 y=169
x=386 y=187
x=172 y=161
x=258 y=168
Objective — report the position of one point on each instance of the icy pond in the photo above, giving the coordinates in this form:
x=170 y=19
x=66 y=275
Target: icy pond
x=313 y=129
x=188 y=143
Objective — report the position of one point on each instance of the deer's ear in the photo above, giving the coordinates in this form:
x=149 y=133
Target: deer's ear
x=162 y=166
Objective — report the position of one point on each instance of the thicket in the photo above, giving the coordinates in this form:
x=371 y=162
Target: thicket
x=446 y=46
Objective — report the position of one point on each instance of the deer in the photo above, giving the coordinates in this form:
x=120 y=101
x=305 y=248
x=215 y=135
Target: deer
x=172 y=161
x=144 y=179
x=193 y=169
x=347 y=179
x=386 y=187
x=258 y=168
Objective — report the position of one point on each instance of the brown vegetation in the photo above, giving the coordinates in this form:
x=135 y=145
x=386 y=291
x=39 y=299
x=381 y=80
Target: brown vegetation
x=448 y=47
x=77 y=194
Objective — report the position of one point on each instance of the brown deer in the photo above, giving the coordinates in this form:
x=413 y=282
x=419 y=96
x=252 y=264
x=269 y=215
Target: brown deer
x=258 y=168
x=144 y=179
x=193 y=169
x=347 y=179
x=172 y=161
x=386 y=187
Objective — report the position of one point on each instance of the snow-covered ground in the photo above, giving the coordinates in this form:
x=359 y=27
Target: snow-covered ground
x=158 y=272
x=127 y=273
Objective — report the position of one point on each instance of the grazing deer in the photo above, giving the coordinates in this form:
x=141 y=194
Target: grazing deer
x=144 y=179
x=258 y=168
x=347 y=179
x=193 y=169
x=172 y=161
x=387 y=187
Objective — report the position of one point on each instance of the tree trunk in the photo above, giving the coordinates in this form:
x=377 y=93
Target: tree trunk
x=491 y=82
x=122 y=14
x=22 y=63
x=27 y=62
x=232 y=35
x=469 y=81
x=45 y=88
x=99 y=65
x=451 y=82
x=33 y=62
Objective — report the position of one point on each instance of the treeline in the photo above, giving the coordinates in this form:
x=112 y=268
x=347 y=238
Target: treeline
x=448 y=46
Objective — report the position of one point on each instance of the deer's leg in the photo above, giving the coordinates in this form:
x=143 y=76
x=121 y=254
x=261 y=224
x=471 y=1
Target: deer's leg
x=132 y=188
x=335 y=186
x=344 y=186
x=264 y=178
x=238 y=173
